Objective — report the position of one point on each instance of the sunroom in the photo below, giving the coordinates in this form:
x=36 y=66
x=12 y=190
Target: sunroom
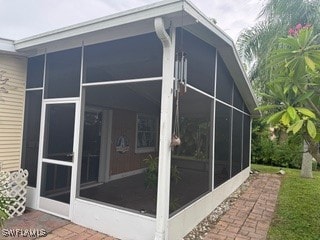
x=137 y=124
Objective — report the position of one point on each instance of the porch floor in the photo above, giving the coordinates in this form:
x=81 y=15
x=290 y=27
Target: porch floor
x=131 y=193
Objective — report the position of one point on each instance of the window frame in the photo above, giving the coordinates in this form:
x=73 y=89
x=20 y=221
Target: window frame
x=155 y=132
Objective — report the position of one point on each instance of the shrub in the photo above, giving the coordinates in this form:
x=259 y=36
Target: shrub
x=286 y=152
x=5 y=201
x=151 y=174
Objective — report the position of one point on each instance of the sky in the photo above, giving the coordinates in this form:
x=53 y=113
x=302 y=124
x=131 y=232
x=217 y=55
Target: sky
x=24 y=18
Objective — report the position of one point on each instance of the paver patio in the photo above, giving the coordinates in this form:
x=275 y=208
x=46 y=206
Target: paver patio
x=248 y=218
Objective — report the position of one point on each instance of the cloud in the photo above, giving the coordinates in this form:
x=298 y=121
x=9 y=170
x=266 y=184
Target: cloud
x=20 y=18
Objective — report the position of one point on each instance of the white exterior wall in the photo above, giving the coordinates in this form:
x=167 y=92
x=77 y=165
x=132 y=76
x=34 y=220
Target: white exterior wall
x=116 y=222
x=12 y=110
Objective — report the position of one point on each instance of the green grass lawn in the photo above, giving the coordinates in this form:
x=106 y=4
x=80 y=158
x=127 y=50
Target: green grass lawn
x=298 y=210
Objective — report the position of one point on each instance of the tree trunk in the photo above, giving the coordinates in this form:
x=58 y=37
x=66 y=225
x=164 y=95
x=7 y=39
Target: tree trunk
x=313 y=147
x=283 y=136
x=312 y=152
x=306 y=167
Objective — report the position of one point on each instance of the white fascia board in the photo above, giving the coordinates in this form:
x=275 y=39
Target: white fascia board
x=7 y=46
x=236 y=70
x=202 y=19
x=255 y=113
x=192 y=10
x=133 y=15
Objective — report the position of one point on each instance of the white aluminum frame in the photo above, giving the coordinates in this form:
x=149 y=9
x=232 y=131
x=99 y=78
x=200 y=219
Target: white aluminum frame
x=45 y=204
x=133 y=80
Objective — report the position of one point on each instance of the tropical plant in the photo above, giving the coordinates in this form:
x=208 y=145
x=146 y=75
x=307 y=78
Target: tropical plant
x=293 y=91
x=255 y=46
x=256 y=43
x=151 y=173
x=271 y=149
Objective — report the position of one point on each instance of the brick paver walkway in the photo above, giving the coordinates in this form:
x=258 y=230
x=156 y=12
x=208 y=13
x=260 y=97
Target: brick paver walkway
x=72 y=231
x=251 y=215
x=57 y=228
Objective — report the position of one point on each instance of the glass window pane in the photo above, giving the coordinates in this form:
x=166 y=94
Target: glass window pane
x=129 y=58
x=56 y=182
x=222 y=144
x=63 y=74
x=35 y=72
x=201 y=60
x=224 y=82
x=31 y=132
x=59 y=131
x=236 y=142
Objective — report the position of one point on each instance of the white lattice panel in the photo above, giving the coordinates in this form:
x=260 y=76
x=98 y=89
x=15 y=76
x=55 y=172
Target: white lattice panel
x=15 y=187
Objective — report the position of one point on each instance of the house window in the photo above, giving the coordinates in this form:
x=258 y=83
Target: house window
x=145 y=133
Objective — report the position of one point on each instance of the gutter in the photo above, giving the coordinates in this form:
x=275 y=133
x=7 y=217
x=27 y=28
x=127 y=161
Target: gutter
x=163 y=192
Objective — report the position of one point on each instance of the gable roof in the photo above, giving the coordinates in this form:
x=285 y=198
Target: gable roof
x=179 y=13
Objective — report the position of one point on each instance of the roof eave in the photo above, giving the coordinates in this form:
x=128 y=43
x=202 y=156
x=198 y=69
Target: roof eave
x=7 y=46
x=139 y=14
x=133 y=15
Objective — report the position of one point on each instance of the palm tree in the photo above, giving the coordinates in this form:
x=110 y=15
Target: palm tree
x=275 y=19
x=291 y=12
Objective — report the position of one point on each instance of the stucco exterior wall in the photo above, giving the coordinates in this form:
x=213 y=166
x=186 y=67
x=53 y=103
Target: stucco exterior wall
x=14 y=68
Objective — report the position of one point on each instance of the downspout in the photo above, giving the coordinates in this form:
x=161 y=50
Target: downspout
x=163 y=193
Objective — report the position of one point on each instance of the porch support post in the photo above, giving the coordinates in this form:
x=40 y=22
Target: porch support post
x=163 y=194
